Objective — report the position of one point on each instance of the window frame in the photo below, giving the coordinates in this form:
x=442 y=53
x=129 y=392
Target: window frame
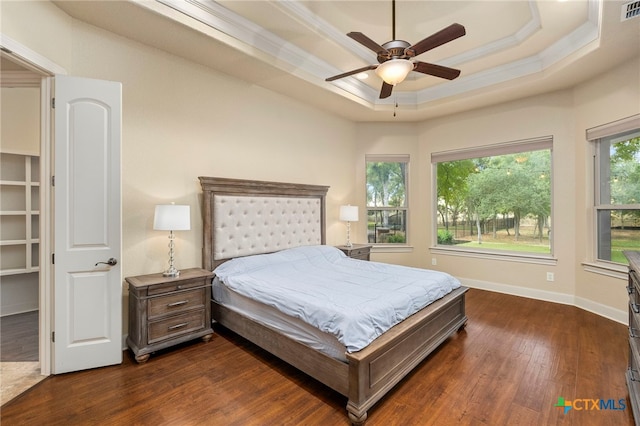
x=608 y=134
x=506 y=148
x=389 y=158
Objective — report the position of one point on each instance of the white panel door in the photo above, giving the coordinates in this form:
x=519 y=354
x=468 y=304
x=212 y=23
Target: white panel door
x=87 y=222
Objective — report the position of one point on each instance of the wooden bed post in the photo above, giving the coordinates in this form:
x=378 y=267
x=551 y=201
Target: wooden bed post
x=207 y=243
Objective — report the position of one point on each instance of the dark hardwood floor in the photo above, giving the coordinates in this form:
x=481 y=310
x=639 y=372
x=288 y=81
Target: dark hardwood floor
x=19 y=337
x=510 y=365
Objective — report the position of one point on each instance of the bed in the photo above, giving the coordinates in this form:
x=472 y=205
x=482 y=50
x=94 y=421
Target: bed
x=245 y=218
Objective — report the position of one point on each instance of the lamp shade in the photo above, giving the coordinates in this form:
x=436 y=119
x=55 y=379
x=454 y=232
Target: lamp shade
x=171 y=217
x=349 y=213
x=394 y=71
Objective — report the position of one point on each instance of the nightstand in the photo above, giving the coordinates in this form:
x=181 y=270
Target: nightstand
x=357 y=251
x=165 y=311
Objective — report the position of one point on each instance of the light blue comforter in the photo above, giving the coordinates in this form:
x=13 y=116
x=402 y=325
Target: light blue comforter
x=354 y=300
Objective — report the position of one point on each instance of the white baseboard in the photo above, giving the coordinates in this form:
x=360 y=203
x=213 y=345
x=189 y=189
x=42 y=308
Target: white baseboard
x=605 y=311
x=549 y=296
x=19 y=308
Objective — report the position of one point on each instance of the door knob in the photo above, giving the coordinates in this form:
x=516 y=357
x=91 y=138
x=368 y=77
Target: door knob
x=111 y=262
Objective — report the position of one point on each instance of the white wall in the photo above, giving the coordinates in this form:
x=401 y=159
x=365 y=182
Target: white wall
x=20 y=115
x=39 y=25
x=182 y=120
x=550 y=114
x=18 y=293
x=393 y=139
x=565 y=115
x=609 y=97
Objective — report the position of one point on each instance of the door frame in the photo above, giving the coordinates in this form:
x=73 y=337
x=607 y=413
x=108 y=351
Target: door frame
x=45 y=69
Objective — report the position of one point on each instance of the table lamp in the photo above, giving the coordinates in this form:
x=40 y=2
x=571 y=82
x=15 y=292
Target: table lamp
x=349 y=214
x=172 y=217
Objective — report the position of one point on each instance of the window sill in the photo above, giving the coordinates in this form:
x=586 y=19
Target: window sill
x=609 y=269
x=391 y=248
x=509 y=257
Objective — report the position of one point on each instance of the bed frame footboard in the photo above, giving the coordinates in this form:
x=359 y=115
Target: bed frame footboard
x=377 y=368
x=370 y=373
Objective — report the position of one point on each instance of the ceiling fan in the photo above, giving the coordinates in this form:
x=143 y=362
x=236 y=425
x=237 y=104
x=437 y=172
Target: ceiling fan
x=394 y=56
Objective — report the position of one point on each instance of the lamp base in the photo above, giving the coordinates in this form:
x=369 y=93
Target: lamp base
x=171 y=272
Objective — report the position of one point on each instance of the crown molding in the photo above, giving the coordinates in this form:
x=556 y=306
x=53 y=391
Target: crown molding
x=305 y=65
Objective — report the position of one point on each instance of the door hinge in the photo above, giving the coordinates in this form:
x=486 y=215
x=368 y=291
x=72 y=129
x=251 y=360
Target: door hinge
x=53 y=103
x=53 y=336
x=53 y=181
x=53 y=258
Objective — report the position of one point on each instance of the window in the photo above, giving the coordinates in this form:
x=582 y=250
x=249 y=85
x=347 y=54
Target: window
x=387 y=178
x=617 y=190
x=495 y=198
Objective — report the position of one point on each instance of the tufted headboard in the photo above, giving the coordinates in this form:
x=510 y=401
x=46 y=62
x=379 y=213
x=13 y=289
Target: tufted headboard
x=245 y=217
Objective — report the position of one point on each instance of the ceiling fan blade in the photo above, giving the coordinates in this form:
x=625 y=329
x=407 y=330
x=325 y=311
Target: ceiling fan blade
x=385 y=92
x=443 y=36
x=367 y=42
x=436 y=70
x=348 y=73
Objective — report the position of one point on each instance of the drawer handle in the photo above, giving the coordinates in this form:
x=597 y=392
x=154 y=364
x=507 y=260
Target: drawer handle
x=174 y=327
x=630 y=289
x=633 y=332
x=174 y=304
x=636 y=308
x=633 y=374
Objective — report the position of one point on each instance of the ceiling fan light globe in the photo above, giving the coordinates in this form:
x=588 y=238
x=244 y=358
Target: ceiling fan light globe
x=394 y=71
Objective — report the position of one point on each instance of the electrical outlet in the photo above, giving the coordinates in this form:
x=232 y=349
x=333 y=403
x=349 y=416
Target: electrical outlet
x=550 y=276
x=434 y=261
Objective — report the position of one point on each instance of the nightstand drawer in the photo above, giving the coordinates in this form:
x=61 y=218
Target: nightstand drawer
x=356 y=251
x=176 y=326
x=176 y=302
x=175 y=286
x=360 y=253
x=166 y=311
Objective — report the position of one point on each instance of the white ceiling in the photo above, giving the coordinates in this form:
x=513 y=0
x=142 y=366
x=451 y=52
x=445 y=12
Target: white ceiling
x=512 y=48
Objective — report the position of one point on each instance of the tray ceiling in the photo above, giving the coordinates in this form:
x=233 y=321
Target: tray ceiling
x=512 y=49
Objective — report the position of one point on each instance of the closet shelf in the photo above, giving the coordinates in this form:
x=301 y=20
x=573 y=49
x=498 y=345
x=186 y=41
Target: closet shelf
x=20 y=199
x=18 y=271
x=12 y=242
x=13 y=183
